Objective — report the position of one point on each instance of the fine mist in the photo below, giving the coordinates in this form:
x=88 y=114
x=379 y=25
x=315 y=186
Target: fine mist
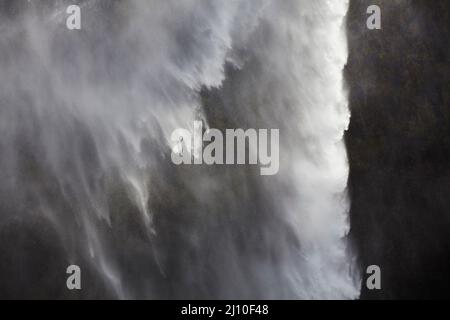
x=86 y=176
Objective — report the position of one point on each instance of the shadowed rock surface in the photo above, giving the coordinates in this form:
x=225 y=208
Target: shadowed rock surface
x=399 y=146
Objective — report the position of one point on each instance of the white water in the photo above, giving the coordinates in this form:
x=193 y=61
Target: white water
x=96 y=108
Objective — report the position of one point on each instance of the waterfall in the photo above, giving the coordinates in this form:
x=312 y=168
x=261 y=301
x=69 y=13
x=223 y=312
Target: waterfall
x=85 y=124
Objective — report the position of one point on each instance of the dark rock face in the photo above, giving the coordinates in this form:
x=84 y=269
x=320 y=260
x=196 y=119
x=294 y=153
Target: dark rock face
x=399 y=146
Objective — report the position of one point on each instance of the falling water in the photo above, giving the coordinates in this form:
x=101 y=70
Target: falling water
x=85 y=122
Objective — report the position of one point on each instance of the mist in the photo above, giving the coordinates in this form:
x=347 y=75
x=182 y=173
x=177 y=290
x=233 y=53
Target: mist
x=86 y=176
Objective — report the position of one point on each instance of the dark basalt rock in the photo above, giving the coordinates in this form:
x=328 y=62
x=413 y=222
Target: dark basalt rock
x=399 y=146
